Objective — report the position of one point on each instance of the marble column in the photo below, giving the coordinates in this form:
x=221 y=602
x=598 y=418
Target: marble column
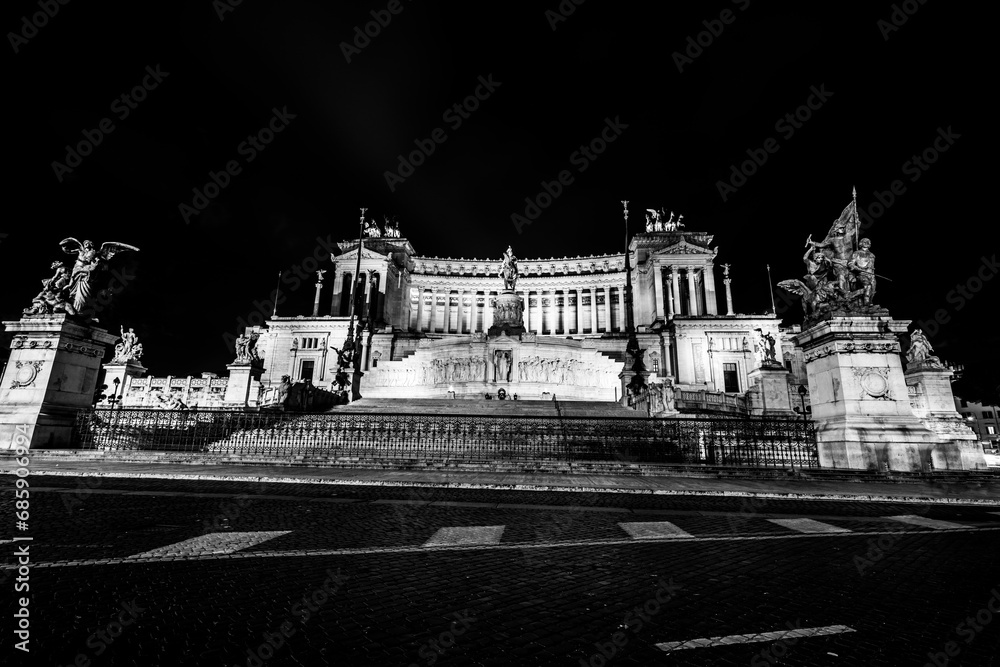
x=578 y=321
x=729 y=295
x=711 y=300
x=657 y=293
x=675 y=275
x=607 y=308
x=692 y=292
x=668 y=287
x=488 y=310
x=432 y=325
x=461 y=311
x=527 y=310
x=622 y=316
x=593 y=310
x=420 y=309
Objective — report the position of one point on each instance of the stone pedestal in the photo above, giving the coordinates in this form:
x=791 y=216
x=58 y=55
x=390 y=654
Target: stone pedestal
x=244 y=385
x=123 y=373
x=933 y=403
x=771 y=395
x=508 y=311
x=52 y=373
x=860 y=401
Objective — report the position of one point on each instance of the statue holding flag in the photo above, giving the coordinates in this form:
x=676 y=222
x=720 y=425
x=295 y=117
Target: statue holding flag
x=840 y=272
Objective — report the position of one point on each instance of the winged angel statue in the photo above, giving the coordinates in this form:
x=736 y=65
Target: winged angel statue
x=70 y=291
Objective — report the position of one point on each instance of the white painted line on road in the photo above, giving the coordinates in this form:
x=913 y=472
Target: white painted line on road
x=923 y=521
x=511 y=546
x=213 y=543
x=808 y=526
x=708 y=642
x=651 y=530
x=465 y=536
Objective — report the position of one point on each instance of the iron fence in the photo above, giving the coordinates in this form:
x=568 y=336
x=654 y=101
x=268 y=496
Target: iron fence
x=752 y=441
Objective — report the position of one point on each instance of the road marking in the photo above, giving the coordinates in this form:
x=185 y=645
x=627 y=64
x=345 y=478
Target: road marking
x=809 y=526
x=465 y=536
x=509 y=546
x=708 y=642
x=923 y=521
x=651 y=530
x=213 y=544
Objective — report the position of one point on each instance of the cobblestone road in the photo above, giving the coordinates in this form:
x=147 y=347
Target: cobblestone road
x=166 y=572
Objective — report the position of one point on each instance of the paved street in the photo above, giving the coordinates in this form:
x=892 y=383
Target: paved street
x=164 y=572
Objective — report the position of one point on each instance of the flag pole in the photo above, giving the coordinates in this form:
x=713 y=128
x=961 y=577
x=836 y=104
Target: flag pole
x=770 y=286
x=277 y=293
x=857 y=220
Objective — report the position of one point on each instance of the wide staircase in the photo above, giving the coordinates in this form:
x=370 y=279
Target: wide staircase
x=480 y=406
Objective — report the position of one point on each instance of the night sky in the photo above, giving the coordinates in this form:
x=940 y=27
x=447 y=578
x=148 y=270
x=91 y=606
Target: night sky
x=686 y=114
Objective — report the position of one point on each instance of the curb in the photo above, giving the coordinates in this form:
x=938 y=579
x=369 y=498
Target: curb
x=530 y=487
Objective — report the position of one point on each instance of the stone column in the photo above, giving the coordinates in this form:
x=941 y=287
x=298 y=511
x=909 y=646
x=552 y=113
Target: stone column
x=670 y=294
x=488 y=311
x=675 y=275
x=593 y=310
x=461 y=311
x=692 y=292
x=622 y=316
x=420 y=309
x=607 y=308
x=527 y=310
x=711 y=300
x=657 y=292
x=729 y=295
x=578 y=321
x=432 y=324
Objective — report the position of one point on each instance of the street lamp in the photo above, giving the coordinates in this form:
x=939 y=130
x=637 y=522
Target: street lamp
x=802 y=397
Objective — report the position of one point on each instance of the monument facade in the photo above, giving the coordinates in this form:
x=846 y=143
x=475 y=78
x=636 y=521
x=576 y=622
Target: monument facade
x=433 y=326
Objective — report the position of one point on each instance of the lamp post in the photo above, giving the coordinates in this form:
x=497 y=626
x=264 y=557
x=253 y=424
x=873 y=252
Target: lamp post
x=637 y=382
x=350 y=354
x=802 y=397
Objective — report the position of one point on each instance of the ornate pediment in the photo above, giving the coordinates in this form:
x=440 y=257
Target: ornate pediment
x=683 y=247
x=365 y=254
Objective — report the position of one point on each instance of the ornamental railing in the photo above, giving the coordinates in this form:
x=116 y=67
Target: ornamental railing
x=773 y=442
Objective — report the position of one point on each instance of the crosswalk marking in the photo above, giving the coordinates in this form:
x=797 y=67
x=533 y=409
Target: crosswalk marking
x=708 y=642
x=465 y=536
x=808 y=526
x=214 y=543
x=648 y=530
x=923 y=521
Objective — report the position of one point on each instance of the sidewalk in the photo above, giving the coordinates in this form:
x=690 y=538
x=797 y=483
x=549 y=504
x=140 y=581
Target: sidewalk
x=980 y=491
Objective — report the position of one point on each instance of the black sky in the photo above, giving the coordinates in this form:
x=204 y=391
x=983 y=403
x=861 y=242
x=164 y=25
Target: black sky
x=606 y=60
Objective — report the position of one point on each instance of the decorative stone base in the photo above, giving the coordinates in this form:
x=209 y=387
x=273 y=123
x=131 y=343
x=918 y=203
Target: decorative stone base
x=244 y=385
x=771 y=395
x=508 y=309
x=861 y=403
x=52 y=373
x=124 y=374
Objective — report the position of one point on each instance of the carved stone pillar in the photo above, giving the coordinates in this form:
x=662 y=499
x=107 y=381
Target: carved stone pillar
x=711 y=300
x=692 y=292
x=488 y=310
x=432 y=325
x=578 y=321
x=607 y=308
x=668 y=288
x=675 y=276
x=593 y=310
x=461 y=311
x=729 y=295
x=420 y=309
x=622 y=316
x=657 y=292
x=527 y=310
